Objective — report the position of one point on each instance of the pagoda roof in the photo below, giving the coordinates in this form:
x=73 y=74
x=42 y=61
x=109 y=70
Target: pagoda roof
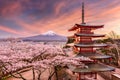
x=92 y=67
x=90 y=45
x=76 y=26
x=94 y=55
x=70 y=44
x=86 y=45
x=89 y=35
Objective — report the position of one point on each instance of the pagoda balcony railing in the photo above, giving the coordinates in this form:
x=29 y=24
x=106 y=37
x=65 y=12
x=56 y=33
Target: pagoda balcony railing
x=86 y=32
x=84 y=42
x=84 y=51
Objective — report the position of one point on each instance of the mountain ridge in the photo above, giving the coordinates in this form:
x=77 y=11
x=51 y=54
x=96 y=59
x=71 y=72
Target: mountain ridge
x=48 y=36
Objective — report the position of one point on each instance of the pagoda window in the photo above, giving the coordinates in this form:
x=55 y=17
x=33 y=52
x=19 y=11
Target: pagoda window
x=78 y=48
x=78 y=30
x=85 y=30
x=86 y=49
x=85 y=39
x=77 y=39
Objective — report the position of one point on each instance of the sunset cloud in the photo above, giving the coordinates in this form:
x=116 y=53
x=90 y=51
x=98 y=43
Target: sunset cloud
x=31 y=17
x=5 y=29
x=59 y=6
x=11 y=9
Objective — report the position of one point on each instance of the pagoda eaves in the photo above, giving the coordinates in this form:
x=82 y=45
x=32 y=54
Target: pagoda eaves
x=90 y=45
x=94 y=55
x=89 y=35
x=97 y=67
x=76 y=26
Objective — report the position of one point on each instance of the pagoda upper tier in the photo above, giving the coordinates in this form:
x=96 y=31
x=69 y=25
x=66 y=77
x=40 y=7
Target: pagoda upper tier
x=77 y=26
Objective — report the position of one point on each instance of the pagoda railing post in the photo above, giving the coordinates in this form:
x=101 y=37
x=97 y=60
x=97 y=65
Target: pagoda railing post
x=79 y=78
x=95 y=75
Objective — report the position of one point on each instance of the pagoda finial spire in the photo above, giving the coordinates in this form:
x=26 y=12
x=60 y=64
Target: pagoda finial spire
x=83 y=13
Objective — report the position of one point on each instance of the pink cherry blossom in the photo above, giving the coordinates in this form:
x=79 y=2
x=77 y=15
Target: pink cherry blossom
x=15 y=56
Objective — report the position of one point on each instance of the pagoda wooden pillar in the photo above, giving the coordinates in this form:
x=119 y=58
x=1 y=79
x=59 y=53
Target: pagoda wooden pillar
x=79 y=77
x=95 y=75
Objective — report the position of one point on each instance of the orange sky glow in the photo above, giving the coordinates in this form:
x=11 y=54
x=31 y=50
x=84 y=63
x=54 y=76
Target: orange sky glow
x=32 y=17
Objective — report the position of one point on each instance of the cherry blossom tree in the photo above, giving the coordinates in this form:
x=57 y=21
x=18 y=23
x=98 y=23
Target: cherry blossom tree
x=19 y=57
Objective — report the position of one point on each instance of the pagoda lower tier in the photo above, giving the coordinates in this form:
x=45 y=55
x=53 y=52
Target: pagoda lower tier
x=89 y=45
x=94 y=56
x=92 y=67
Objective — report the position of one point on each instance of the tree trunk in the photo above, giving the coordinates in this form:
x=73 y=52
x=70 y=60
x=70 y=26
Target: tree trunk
x=33 y=73
x=56 y=74
x=39 y=76
x=50 y=77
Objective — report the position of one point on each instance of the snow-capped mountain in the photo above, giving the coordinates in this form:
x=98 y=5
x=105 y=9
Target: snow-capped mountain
x=51 y=33
x=49 y=36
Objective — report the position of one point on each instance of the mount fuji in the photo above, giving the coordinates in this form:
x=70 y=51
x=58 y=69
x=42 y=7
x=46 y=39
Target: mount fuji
x=49 y=36
x=49 y=33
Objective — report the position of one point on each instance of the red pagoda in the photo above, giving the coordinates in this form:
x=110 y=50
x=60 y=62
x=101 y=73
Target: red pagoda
x=85 y=46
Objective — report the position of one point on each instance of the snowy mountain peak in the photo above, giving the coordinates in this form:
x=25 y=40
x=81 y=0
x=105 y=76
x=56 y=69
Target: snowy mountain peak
x=49 y=36
x=49 y=33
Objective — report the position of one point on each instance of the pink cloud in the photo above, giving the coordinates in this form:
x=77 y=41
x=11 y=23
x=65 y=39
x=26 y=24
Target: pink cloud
x=58 y=7
x=65 y=21
x=11 y=9
x=9 y=30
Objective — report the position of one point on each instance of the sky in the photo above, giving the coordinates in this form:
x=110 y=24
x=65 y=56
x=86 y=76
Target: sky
x=21 y=18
